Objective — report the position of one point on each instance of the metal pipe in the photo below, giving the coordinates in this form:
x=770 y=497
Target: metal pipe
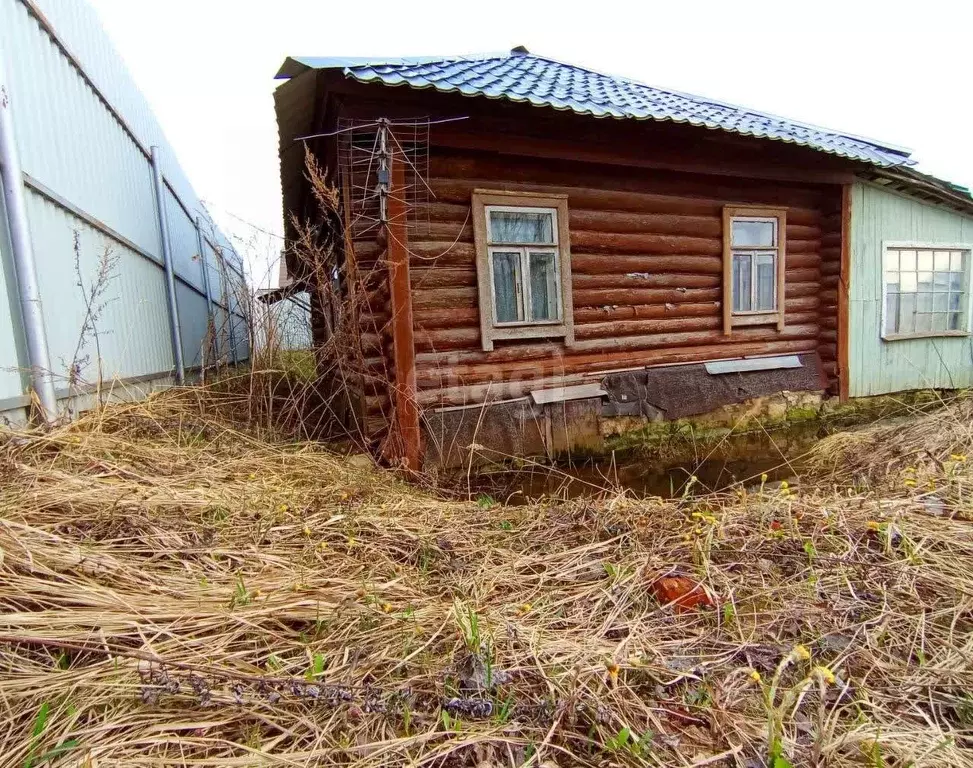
x=160 y=207
x=211 y=317
x=28 y=287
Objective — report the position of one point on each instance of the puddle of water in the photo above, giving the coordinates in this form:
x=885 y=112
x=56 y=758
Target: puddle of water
x=740 y=459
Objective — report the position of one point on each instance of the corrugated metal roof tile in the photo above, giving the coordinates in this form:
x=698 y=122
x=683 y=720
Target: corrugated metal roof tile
x=524 y=77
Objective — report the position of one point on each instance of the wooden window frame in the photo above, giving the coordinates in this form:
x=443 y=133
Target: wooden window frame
x=966 y=314
x=775 y=316
x=491 y=331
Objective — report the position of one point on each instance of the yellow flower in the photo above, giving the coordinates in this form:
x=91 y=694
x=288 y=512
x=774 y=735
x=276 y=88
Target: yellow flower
x=763 y=478
x=909 y=483
x=307 y=531
x=825 y=674
x=755 y=676
x=351 y=542
x=784 y=485
x=255 y=594
x=873 y=525
x=322 y=545
x=387 y=607
x=612 y=668
x=801 y=652
x=525 y=608
x=960 y=457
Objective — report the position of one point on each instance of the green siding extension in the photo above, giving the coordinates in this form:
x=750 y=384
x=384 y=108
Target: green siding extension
x=877 y=366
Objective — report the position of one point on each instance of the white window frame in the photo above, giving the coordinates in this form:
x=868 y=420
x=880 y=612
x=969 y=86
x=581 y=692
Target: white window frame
x=778 y=218
x=895 y=245
x=485 y=201
x=524 y=249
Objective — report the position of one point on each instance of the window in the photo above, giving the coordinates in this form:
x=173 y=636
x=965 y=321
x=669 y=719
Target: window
x=523 y=266
x=753 y=266
x=926 y=291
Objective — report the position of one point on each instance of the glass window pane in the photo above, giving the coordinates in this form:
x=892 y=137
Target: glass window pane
x=907 y=312
x=543 y=287
x=942 y=261
x=892 y=260
x=940 y=302
x=925 y=281
x=955 y=322
x=892 y=313
x=892 y=282
x=908 y=282
x=766 y=279
x=508 y=303
x=741 y=282
x=753 y=233
x=924 y=260
x=939 y=323
x=941 y=281
x=521 y=227
x=908 y=261
x=923 y=322
x=956 y=261
x=924 y=302
x=956 y=280
x=955 y=302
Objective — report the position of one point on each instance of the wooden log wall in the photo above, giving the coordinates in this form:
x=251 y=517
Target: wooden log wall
x=646 y=252
x=830 y=279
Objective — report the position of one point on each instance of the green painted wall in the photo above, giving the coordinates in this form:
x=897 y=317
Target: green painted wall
x=877 y=366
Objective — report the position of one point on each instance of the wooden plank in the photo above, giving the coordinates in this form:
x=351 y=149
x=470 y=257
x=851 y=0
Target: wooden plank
x=403 y=343
x=843 y=291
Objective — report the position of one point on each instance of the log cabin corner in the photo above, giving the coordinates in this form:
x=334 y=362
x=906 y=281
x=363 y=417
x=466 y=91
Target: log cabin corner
x=543 y=253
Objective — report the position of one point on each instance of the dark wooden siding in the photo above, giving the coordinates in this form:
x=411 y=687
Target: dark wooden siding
x=647 y=265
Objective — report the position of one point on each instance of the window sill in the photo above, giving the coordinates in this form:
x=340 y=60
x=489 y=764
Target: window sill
x=761 y=318
x=930 y=335
x=534 y=331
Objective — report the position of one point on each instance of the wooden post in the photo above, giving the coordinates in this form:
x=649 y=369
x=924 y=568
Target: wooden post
x=844 y=281
x=403 y=344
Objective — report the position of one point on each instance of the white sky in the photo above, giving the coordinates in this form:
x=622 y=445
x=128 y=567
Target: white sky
x=895 y=70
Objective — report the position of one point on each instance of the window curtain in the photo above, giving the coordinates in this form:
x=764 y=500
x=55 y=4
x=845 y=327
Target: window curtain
x=506 y=280
x=520 y=227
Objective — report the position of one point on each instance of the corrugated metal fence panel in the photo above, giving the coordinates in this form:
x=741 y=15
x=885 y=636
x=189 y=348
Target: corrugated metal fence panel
x=877 y=366
x=184 y=243
x=13 y=358
x=73 y=145
x=193 y=322
x=132 y=324
x=80 y=29
x=68 y=140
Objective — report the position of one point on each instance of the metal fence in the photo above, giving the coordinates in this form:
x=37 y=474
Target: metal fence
x=109 y=216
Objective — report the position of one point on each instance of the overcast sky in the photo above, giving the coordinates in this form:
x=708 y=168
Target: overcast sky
x=894 y=71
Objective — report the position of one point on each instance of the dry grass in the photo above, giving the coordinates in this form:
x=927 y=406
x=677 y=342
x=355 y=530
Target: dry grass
x=176 y=591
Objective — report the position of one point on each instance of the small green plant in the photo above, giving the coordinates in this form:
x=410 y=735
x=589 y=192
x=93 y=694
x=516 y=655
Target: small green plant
x=616 y=573
x=729 y=613
x=316 y=669
x=504 y=710
x=776 y=709
x=628 y=741
x=506 y=525
x=37 y=733
x=450 y=723
x=240 y=594
x=485 y=501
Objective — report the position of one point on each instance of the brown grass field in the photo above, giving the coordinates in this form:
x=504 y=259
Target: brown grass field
x=179 y=591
